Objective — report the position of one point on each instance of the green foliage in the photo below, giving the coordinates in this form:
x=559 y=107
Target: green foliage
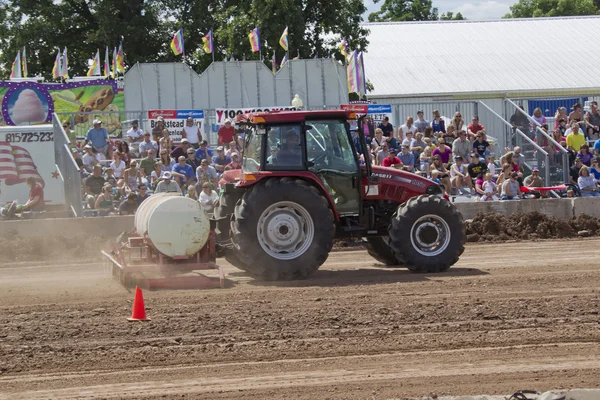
x=147 y=27
x=404 y=10
x=553 y=8
x=450 y=16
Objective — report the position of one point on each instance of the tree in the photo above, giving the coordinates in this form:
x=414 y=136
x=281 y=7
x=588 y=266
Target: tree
x=552 y=8
x=405 y=10
x=450 y=16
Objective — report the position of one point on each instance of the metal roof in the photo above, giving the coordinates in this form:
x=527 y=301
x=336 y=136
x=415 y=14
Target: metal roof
x=452 y=57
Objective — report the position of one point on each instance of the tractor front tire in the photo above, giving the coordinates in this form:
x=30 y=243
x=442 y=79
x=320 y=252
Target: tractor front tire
x=427 y=234
x=282 y=229
x=379 y=249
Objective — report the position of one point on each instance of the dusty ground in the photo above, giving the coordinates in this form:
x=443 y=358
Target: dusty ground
x=506 y=317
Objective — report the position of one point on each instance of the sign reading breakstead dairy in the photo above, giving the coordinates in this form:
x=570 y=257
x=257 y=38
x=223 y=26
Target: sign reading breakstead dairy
x=230 y=113
x=28 y=152
x=174 y=120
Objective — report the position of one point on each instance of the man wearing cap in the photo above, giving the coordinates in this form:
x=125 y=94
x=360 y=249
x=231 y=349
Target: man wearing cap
x=167 y=185
x=386 y=127
x=134 y=134
x=203 y=152
x=147 y=145
x=90 y=159
x=182 y=150
x=421 y=123
x=391 y=160
x=191 y=132
x=98 y=136
x=407 y=158
x=160 y=130
x=221 y=160
x=226 y=133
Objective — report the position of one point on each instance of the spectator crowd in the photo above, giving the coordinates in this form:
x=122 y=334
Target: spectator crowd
x=117 y=177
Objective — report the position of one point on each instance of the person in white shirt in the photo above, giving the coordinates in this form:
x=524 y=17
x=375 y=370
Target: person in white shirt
x=191 y=132
x=208 y=197
x=490 y=188
x=408 y=126
x=135 y=134
x=492 y=165
x=91 y=158
x=117 y=165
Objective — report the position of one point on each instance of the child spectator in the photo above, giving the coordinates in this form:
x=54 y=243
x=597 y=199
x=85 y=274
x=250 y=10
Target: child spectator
x=489 y=188
x=585 y=155
x=425 y=161
x=191 y=193
x=435 y=176
x=491 y=165
x=142 y=193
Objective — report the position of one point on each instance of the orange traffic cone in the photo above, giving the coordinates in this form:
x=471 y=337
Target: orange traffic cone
x=139 y=312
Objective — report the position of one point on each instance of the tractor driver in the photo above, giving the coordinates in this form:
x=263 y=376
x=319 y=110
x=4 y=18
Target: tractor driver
x=290 y=153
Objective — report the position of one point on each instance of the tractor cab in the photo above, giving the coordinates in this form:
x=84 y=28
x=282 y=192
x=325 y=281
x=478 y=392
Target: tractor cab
x=305 y=143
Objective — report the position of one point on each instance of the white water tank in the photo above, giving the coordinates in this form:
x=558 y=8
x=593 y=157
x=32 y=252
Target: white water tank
x=175 y=225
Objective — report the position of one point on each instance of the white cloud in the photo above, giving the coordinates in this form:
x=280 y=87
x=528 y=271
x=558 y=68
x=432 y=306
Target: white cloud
x=474 y=10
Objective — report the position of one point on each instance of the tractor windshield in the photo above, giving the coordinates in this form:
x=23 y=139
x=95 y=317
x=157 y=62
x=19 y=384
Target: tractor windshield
x=328 y=145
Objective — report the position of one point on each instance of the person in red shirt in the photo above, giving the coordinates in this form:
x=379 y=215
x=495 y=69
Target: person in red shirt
x=391 y=160
x=36 y=201
x=226 y=133
x=474 y=127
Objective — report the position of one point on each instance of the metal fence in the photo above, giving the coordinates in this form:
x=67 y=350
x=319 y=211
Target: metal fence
x=67 y=167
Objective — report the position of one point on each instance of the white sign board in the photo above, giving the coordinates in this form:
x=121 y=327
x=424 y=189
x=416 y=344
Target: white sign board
x=230 y=113
x=175 y=120
x=28 y=151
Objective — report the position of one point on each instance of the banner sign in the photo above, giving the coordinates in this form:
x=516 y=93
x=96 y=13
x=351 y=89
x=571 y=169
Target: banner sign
x=28 y=152
x=357 y=108
x=32 y=103
x=378 y=112
x=175 y=120
x=230 y=113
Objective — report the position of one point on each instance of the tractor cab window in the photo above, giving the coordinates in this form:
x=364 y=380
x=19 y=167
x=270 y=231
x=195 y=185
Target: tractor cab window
x=284 y=147
x=328 y=146
x=252 y=148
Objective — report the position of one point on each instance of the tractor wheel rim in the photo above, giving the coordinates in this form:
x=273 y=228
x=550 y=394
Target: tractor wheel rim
x=285 y=230
x=430 y=235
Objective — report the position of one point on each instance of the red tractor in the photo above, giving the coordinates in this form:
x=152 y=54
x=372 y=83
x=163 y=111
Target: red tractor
x=302 y=186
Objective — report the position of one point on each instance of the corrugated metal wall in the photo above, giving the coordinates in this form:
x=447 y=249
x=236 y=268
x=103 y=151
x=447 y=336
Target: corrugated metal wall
x=320 y=83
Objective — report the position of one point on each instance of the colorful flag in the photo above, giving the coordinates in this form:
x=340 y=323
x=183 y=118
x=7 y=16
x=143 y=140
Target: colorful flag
x=363 y=79
x=283 y=61
x=274 y=63
x=254 y=37
x=283 y=40
x=344 y=49
x=351 y=72
x=65 y=64
x=208 y=42
x=95 y=68
x=16 y=66
x=120 y=59
x=177 y=43
x=115 y=66
x=56 y=70
x=106 y=63
x=24 y=63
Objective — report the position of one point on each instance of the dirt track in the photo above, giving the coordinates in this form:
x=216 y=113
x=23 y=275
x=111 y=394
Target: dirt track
x=508 y=316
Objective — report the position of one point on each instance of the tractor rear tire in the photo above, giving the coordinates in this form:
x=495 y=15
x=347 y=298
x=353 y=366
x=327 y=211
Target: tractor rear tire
x=283 y=229
x=427 y=234
x=378 y=248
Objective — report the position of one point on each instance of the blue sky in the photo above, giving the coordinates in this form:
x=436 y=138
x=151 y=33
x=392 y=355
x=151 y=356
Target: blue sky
x=470 y=9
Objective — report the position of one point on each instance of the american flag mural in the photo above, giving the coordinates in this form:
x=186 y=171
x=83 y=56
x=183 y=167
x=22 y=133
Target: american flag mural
x=16 y=165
